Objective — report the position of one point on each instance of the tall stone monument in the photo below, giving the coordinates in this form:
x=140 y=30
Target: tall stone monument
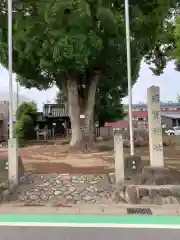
x=13 y=162
x=155 y=128
x=118 y=155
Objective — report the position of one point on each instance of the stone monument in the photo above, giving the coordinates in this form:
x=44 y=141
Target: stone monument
x=155 y=128
x=119 y=156
x=13 y=162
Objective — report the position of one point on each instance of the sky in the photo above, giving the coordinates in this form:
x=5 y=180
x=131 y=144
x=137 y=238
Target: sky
x=169 y=84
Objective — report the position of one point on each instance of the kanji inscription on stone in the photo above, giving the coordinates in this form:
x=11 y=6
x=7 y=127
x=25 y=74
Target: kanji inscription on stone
x=155 y=98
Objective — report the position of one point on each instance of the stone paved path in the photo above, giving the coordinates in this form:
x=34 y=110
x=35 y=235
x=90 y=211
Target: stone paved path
x=64 y=189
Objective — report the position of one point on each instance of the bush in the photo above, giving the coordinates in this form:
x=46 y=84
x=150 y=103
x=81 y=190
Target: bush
x=27 y=108
x=24 y=128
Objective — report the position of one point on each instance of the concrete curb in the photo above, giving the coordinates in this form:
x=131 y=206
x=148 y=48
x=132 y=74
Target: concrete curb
x=119 y=209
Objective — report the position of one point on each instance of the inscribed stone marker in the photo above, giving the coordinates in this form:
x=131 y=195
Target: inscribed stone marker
x=12 y=162
x=119 y=156
x=155 y=128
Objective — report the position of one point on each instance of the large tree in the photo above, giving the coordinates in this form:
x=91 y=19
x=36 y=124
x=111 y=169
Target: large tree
x=79 y=45
x=108 y=106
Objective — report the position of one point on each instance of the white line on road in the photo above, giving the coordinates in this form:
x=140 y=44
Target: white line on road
x=88 y=225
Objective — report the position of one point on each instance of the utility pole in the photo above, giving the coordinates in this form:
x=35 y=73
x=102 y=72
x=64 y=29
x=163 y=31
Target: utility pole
x=12 y=142
x=128 y=48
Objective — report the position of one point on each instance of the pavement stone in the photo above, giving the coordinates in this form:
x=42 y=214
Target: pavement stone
x=64 y=189
x=112 y=209
x=164 y=212
x=91 y=209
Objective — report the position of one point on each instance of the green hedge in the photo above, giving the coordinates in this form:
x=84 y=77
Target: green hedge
x=24 y=128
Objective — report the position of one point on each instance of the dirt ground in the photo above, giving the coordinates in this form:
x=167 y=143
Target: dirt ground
x=55 y=157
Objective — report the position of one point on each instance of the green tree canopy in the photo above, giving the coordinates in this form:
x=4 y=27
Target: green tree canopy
x=79 y=45
x=108 y=105
x=176 y=50
x=167 y=47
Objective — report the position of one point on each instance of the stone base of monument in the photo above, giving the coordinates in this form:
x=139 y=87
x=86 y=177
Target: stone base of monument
x=147 y=194
x=4 y=186
x=160 y=176
x=152 y=186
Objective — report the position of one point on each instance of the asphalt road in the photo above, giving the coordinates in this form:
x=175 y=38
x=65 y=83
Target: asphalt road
x=68 y=233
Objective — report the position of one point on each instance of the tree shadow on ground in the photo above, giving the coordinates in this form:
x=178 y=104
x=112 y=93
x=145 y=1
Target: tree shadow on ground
x=60 y=168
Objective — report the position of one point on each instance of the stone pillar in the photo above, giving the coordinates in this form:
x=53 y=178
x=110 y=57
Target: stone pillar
x=12 y=162
x=155 y=128
x=4 y=110
x=119 y=156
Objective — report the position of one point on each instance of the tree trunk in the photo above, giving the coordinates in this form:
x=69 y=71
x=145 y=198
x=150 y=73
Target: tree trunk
x=74 y=113
x=82 y=129
x=89 y=114
x=65 y=95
